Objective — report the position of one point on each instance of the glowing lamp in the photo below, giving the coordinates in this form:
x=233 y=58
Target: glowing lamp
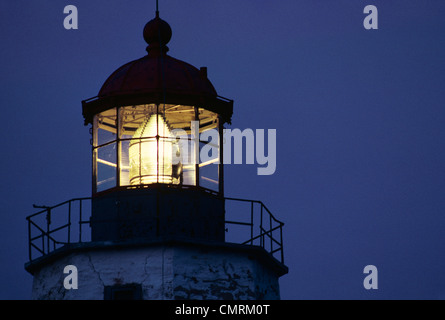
x=150 y=153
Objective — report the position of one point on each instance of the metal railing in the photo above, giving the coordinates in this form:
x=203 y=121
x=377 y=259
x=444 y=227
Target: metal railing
x=53 y=227
x=50 y=229
x=264 y=229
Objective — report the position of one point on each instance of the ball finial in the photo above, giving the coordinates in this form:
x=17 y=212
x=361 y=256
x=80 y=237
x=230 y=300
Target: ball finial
x=157 y=33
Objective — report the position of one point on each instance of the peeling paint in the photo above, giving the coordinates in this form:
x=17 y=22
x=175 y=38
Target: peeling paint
x=164 y=272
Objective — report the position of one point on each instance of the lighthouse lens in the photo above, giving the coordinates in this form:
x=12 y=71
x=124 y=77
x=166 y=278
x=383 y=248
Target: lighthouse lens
x=150 y=152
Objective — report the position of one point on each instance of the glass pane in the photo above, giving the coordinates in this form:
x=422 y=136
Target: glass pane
x=209 y=164
x=186 y=147
x=124 y=163
x=180 y=118
x=208 y=177
x=106 y=167
x=138 y=144
x=208 y=150
x=105 y=127
x=207 y=120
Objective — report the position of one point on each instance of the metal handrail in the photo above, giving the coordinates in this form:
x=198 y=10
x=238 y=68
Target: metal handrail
x=266 y=229
x=264 y=232
x=49 y=242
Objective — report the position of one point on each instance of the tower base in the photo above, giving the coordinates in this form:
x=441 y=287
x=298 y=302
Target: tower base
x=162 y=270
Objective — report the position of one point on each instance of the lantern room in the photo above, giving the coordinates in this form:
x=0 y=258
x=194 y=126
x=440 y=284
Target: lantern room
x=157 y=120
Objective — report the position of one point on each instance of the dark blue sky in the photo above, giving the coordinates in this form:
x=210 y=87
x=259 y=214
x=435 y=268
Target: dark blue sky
x=360 y=121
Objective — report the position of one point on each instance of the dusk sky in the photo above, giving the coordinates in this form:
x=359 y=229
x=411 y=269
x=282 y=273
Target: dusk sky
x=359 y=116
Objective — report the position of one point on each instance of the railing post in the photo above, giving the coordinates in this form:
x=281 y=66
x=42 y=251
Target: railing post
x=29 y=239
x=43 y=242
x=48 y=222
x=271 y=234
x=69 y=223
x=281 y=241
x=251 y=223
x=80 y=220
x=261 y=228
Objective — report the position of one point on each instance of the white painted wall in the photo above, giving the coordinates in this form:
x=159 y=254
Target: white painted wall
x=165 y=272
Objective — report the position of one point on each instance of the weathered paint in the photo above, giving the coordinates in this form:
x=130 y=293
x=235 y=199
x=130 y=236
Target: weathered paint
x=165 y=272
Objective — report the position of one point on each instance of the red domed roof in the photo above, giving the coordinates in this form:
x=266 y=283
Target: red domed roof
x=158 y=73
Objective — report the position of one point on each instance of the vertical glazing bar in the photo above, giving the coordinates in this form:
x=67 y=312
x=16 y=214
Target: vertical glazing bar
x=158 y=218
x=118 y=148
x=157 y=143
x=163 y=139
x=196 y=151
x=94 y=157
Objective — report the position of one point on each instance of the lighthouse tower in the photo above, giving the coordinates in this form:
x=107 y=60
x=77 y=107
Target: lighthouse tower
x=157 y=223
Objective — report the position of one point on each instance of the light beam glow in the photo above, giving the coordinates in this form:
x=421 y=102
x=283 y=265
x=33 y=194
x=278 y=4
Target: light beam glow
x=150 y=152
